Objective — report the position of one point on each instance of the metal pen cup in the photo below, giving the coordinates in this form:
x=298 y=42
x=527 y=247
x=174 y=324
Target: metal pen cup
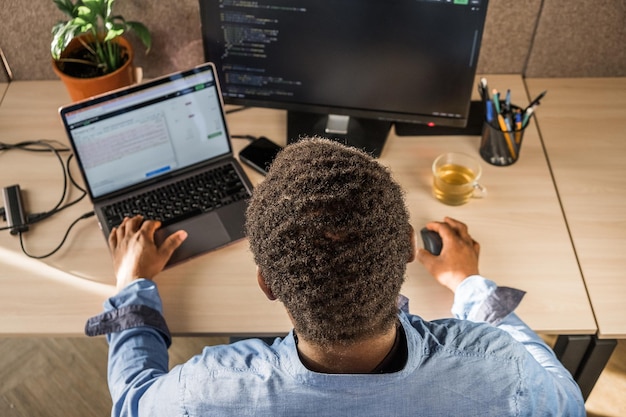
x=501 y=140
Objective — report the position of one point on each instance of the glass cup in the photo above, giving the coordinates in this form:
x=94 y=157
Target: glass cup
x=455 y=178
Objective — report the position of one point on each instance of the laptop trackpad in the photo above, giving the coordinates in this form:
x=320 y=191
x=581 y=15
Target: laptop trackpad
x=205 y=232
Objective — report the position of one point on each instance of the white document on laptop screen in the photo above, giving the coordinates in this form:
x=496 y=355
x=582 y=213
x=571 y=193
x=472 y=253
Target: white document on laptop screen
x=131 y=144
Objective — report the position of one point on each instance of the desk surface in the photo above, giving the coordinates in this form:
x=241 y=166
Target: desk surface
x=583 y=125
x=524 y=238
x=3 y=87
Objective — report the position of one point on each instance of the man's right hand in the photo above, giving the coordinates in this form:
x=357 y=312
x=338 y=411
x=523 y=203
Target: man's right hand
x=458 y=258
x=134 y=252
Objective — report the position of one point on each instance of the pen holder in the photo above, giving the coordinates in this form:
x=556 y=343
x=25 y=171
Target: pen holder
x=500 y=145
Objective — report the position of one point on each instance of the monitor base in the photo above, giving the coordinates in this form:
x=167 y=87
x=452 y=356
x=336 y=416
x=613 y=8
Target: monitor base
x=367 y=134
x=474 y=125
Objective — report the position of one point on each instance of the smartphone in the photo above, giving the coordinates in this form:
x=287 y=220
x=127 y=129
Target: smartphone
x=260 y=154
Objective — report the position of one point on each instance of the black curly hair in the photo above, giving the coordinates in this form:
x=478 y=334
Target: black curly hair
x=330 y=232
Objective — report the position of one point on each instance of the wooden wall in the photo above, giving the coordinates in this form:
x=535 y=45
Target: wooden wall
x=537 y=38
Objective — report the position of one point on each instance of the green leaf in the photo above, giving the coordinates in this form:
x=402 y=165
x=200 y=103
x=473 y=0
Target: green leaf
x=109 y=6
x=114 y=30
x=79 y=21
x=119 y=20
x=142 y=32
x=96 y=7
x=63 y=33
x=83 y=11
x=65 y=6
x=95 y=17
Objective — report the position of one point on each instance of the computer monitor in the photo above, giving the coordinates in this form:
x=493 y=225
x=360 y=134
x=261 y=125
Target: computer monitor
x=347 y=69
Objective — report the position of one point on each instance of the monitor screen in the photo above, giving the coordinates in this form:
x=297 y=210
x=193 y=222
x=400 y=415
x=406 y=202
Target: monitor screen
x=372 y=60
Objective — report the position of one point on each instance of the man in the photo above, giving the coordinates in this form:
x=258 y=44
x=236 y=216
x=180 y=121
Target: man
x=331 y=237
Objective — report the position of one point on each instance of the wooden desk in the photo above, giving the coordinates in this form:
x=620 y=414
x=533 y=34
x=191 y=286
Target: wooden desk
x=524 y=238
x=582 y=124
x=3 y=87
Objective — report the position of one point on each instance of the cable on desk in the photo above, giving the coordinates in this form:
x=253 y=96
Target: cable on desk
x=40 y=145
x=35 y=218
x=238 y=109
x=55 y=250
x=49 y=146
x=44 y=145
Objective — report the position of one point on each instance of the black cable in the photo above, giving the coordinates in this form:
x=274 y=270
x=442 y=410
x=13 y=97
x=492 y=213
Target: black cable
x=58 y=155
x=55 y=250
x=33 y=145
x=35 y=218
x=69 y=173
x=42 y=145
x=236 y=109
x=45 y=145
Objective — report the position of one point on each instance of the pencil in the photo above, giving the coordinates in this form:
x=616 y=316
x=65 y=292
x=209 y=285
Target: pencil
x=507 y=136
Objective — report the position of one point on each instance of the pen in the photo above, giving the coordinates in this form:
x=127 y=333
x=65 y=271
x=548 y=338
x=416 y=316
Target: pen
x=527 y=115
x=507 y=100
x=496 y=100
x=505 y=131
x=489 y=111
x=536 y=101
x=483 y=90
x=518 y=127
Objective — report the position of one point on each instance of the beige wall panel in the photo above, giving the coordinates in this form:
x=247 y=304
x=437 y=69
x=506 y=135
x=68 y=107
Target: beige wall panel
x=580 y=38
x=507 y=37
x=25 y=36
x=176 y=34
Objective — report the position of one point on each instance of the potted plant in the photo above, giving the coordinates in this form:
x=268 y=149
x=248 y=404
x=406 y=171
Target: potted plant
x=88 y=50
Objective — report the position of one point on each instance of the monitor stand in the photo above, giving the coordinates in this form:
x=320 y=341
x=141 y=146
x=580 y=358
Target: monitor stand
x=474 y=125
x=367 y=134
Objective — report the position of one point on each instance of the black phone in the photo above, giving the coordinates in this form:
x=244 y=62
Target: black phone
x=260 y=154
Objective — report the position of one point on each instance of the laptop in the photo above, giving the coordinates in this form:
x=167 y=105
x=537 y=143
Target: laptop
x=162 y=149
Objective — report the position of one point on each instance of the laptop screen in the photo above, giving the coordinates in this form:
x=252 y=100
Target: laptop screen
x=146 y=131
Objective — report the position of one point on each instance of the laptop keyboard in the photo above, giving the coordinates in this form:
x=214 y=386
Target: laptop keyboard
x=177 y=201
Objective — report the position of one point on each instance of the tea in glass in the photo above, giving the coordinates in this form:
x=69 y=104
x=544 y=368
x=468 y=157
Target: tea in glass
x=455 y=179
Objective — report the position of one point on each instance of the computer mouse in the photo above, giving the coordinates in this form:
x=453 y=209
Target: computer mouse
x=432 y=241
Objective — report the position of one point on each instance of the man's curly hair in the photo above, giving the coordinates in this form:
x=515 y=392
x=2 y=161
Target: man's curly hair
x=330 y=233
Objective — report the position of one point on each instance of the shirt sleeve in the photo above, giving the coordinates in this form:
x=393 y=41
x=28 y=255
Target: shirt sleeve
x=137 y=305
x=481 y=300
x=138 y=341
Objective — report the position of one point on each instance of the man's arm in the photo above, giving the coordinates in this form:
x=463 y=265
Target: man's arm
x=481 y=300
x=138 y=350
x=133 y=322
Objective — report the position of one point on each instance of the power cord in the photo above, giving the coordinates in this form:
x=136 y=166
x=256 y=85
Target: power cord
x=237 y=109
x=55 y=250
x=44 y=145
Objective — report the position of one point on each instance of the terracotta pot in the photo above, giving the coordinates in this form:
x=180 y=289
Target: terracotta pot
x=81 y=88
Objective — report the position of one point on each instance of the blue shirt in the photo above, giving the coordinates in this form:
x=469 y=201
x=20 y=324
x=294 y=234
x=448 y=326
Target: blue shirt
x=486 y=362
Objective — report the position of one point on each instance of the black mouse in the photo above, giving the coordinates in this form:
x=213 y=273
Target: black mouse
x=432 y=241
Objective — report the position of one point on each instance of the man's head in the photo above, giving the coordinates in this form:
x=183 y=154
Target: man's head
x=330 y=234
